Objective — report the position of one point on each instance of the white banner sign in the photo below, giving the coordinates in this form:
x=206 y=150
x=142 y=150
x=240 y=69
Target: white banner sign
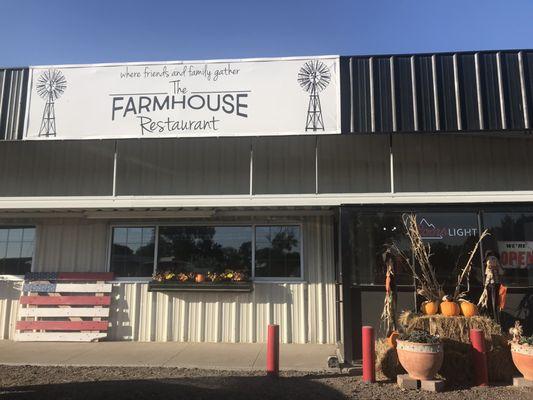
x=180 y=99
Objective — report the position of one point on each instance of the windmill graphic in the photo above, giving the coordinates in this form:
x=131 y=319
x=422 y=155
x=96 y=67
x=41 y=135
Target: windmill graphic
x=314 y=77
x=50 y=86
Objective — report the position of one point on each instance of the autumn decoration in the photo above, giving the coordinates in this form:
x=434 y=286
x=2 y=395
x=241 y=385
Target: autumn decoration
x=427 y=284
x=229 y=275
x=430 y=307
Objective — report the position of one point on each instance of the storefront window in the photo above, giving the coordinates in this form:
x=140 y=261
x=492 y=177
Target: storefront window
x=16 y=250
x=132 y=252
x=452 y=236
x=369 y=235
x=277 y=252
x=205 y=249
x=512 y=238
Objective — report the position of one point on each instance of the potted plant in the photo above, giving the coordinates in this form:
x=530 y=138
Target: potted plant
x=522 y=352
x=420 y=354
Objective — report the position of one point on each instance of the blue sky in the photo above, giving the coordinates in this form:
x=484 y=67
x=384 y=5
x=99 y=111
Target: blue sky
x=60 y=32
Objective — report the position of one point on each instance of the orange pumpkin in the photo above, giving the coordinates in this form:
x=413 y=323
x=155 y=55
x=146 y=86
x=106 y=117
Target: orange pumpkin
x=199 y=278
x=430 y=307
x=468 y=309
x=449 y=308
x=391 y=340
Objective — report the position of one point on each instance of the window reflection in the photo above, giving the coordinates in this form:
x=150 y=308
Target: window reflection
x=132 y=253
x=370 y=236
x=205 y=249
x=277 y=251
x=16 y=250
x=450 y=235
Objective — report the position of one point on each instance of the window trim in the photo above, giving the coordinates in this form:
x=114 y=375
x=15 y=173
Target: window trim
x=252 y=225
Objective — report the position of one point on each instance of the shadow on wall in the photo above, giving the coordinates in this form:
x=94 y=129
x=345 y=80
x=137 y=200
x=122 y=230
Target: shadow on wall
x=132 y=306
x=209 y=386
x=10 y=290
x=9 y=298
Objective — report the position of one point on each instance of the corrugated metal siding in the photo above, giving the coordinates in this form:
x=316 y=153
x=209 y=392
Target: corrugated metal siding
x=381 y=85
x=56 y=168
x=451 y=163
x=305 y=310
x=449 y=92
x=470 y=107
x=13 y=91
x=73 y=246
x=196 y=166
x=403 y=94
x=284 y=164
x=353 y=164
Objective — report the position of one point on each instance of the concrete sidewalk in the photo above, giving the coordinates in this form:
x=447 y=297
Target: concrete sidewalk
x=303 y=357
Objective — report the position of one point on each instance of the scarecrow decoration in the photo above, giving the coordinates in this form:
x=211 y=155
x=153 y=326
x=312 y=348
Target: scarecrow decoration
x=388 y=316
x=494 y=293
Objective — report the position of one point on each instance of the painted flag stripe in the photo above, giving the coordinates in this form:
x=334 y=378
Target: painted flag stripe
x=67 y=300
x=69 y=276
x=59 y=336
x=64 y=312
x=62 y=325
x=67 y=287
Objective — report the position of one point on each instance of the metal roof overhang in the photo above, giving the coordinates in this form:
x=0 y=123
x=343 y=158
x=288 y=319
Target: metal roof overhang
x=206 y=206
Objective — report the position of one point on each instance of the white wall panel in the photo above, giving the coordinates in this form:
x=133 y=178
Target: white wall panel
x=9 y=305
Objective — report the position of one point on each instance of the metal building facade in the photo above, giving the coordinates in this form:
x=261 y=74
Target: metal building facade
x=416 y=129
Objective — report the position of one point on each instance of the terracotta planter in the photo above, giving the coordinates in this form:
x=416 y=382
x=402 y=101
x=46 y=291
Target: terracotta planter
x=420 y=360
x=523 y=359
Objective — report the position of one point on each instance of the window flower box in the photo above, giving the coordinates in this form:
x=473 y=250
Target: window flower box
x=175 y=286
x=228 y=281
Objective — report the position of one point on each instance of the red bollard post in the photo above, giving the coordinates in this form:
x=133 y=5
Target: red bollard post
x=479 y=357
x=273 y=351
x=369 y=355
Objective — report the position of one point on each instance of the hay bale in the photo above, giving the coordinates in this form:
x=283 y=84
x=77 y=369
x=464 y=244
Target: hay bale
x=456 y=367
x=387 y=364
x=500 y=364
x=455 y=328
x=405 y=318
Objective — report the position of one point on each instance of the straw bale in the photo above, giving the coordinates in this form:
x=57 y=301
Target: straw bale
x=387 y=364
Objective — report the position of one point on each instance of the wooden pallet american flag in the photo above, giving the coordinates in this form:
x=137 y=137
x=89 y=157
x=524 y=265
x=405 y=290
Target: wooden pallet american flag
x=64 y=307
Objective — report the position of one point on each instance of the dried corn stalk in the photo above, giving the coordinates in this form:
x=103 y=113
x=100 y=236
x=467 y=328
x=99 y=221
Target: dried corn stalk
x=423 y=271
x=388 y=315
x=465 y=272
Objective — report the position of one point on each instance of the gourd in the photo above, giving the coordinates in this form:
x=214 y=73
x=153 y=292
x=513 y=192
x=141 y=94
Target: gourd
x=468 y=309
x=449 y=308
x=430 y=307
x=391 y=340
